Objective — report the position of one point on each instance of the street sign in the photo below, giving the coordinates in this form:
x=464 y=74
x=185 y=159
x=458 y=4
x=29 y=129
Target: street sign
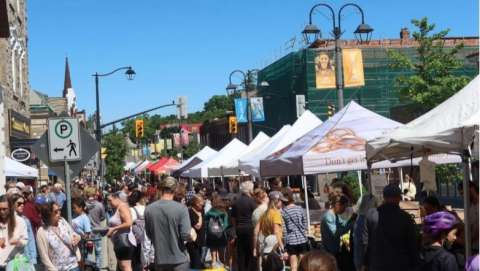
x=88 y=148
x=20 y=155
x=64 y=140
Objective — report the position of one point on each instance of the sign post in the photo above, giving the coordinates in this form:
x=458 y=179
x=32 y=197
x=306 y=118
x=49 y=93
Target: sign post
x=64 y=146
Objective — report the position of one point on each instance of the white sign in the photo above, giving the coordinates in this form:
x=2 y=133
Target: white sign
x=63 y=140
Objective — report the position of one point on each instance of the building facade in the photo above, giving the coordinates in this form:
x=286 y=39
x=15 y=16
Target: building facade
x=295 y=74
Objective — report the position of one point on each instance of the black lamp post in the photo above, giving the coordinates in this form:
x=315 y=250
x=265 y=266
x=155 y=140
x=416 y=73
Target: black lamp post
x=130 y=74
x=231 y=88
x=363 y=34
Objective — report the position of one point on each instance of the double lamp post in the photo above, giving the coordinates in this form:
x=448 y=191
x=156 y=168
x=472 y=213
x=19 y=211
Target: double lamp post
x=363 y=34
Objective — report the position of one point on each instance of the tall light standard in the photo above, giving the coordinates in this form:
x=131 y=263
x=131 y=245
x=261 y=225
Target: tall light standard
x=130 y=74
x=246 y=81
x=363 y=33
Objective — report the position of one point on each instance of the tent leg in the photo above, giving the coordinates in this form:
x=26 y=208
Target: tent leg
x=304 y=182
x=213 y=184
x=359 y=175
x=467 y=176
x=369 y=177
x=288 y=181
x=400 y=173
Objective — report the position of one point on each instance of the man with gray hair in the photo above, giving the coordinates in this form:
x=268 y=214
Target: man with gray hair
x=242 y=211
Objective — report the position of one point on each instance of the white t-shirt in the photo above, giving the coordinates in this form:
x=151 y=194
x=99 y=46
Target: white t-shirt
x=258 y=212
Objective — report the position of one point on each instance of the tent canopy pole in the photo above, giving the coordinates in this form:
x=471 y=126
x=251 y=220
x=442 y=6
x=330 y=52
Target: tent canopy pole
x=304 y=181
x=467 y=176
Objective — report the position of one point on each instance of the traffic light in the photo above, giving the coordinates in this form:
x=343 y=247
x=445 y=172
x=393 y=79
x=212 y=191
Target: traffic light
x=232 y=125
x=139 y=128
x=331 y=110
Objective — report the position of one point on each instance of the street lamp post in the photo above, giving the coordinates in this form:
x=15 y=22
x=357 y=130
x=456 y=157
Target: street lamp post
x=130 y=73
x=233 y=87
x=363 y=33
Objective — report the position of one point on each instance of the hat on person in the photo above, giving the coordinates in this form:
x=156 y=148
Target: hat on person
x=13 y=190
x=391 y=191
x=27 y=189
x=269 y=242
x=277 y=195
x=20 y=185
x=42 y=199
x=168 y=182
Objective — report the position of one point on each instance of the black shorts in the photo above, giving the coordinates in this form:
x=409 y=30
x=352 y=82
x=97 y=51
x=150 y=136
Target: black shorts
x=124 y=253
x=297 y=249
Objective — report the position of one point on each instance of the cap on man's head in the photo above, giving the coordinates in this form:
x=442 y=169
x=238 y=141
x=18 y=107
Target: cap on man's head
x=27 y=189
x=392 y=191
x=20 y=185
x=168 y=183
x=277 y=195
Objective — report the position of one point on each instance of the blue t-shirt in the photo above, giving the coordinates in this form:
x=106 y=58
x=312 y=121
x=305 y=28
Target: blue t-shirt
x=59 y=198
x=81 y=224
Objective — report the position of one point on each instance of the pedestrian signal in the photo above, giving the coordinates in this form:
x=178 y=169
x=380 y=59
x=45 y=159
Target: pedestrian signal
x=139 y=129
x=232 y=125
x=330 y=110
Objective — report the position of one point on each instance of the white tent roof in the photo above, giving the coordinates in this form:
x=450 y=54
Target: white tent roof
x=230 y=168
x=336 y=145
x=17 y=169
x=203 y=155
x=142 y=166
x=249 y=162
x=129 y=165
x=448 y=128
x=225 y=154
x=305 y=123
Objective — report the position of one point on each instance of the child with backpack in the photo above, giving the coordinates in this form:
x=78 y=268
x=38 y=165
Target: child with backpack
x=216 y=221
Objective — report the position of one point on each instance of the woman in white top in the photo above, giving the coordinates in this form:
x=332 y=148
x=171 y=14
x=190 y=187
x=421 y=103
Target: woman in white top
x=144 y=255
x=120 y=232
x=13 y=233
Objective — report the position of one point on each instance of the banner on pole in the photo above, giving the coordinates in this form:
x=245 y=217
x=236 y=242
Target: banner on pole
x=241 y=110
x=256 y=105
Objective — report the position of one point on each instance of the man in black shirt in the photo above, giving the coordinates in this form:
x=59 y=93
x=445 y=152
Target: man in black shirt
x=242 y=211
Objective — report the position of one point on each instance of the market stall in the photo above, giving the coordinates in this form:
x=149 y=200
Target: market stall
x=17 y=169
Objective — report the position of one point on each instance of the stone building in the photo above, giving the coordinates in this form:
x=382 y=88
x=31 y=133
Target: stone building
x=14 y=83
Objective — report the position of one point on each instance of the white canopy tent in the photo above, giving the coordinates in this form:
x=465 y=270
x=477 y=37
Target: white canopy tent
x=130 y=165
x=225 y=154
x=337 y=145
x=142 y=166
x=451 y=127
x=230 y=167
x=304 y=124
x=17 y=169
x=205 y=153
x=448 y=128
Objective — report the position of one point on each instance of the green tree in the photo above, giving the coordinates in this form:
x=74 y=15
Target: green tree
x=191 y=149
x=116 y=149
x=432 y=79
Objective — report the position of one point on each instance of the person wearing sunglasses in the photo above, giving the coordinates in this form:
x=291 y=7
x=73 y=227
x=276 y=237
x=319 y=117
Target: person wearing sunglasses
x=57 y=241
x=18 y=203
x=13 y=233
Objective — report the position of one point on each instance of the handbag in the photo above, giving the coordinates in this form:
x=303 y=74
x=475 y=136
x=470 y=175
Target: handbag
x=309 y=242
x=20 y=263
x=120 y=240
x=272 y=262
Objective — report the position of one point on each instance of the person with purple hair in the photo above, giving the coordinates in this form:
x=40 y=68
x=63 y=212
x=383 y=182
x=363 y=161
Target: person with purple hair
x=434 y=257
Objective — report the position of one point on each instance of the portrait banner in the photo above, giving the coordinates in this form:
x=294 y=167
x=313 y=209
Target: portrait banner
x=325 y=70
x=256 y=105
x=241 y=110
x=353 y=68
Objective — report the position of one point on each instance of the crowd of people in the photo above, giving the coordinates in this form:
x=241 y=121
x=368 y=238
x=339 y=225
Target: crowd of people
x=247 y=226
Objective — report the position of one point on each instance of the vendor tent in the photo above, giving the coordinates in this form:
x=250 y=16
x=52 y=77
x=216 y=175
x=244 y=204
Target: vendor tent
x=336 y=145
x=17 y=169
x=225 y=154
x=448 y=128
x=142 y=167
x=230 y=167
x=166 y=167
x=159 y=163
x=196 y=159
x=304 y=124
x=129 y=165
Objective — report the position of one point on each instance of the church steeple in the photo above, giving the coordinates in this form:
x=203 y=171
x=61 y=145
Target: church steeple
x=68 y=82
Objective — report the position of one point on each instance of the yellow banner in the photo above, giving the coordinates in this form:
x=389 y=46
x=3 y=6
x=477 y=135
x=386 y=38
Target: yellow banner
x=353 y=68
x=353 y=75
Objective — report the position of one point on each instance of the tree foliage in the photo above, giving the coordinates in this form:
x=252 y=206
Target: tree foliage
x=116 y=147
x=432 y=79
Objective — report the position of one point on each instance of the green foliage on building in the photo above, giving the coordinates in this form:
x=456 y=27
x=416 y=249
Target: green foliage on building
x=432 y=79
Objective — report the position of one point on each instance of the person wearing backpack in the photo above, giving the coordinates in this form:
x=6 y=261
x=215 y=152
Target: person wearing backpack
x=217 y=223
x=137 y=201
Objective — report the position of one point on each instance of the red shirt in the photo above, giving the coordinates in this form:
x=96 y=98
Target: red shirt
x=30 y=211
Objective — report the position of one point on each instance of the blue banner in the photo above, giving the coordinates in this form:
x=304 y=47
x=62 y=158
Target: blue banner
x=256 y=105
x=241 y=110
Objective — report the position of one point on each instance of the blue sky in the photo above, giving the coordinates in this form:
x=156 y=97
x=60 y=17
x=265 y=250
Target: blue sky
x=189 y=47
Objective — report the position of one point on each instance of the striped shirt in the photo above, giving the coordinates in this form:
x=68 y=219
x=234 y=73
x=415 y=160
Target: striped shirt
x=295 y=222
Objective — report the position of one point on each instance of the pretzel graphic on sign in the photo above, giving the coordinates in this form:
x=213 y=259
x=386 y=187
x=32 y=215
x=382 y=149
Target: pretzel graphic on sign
x=340 y=138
